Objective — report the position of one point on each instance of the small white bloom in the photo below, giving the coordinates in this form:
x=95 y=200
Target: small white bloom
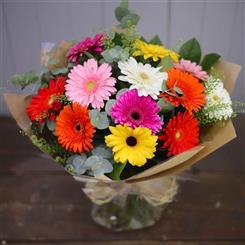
x=218 y=102
x=145 y=78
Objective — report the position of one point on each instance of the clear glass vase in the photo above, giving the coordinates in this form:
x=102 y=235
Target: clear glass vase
x=126 y=213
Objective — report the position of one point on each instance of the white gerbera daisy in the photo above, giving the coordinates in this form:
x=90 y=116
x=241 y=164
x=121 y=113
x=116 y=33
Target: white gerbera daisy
x=218 y=102
x=145 y=78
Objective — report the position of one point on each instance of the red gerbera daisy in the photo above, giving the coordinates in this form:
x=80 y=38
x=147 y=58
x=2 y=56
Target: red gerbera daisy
x=192 y=97
x=45 y=103
x=180 y=134
x=73 y=128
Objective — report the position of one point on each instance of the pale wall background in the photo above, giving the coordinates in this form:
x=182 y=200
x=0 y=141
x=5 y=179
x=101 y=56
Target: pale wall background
x=25 y=24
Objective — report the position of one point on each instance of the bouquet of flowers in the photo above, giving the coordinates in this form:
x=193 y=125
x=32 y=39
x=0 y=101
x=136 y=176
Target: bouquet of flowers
x=118 y=107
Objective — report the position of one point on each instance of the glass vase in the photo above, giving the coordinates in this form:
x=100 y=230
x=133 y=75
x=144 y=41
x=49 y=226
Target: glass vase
x=126 y=213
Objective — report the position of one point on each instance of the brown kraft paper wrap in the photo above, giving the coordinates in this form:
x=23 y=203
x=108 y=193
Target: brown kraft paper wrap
x=211 y=138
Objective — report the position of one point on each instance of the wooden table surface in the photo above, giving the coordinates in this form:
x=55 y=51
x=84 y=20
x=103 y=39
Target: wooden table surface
x=41 y=204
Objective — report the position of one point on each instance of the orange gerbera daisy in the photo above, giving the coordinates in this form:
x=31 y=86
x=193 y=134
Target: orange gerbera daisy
x=192 y=97
x=180 y=134
x=73 y=128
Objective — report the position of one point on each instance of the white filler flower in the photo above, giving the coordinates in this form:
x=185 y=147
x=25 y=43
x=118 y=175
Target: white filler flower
x=218 y=102
x=145 y=78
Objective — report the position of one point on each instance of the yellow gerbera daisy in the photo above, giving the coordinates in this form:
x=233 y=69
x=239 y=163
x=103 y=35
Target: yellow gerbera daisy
x=153 y=51
x=132 y=145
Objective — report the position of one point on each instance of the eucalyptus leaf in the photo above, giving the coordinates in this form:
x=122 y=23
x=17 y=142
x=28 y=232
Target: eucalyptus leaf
x=129 y=20
x=166 y=63
x=120 y=12
x=99 y=119
x=102 y=152
x=165 y=105
x=77 y=162
x=61 y=70
x=120 y=92
x=209 y=60
x=178 y=90
x=97 y=165
x=23 y=80
x=191 y=50
x=109 y=105
x=164 y=86
x=156 y=40
x=51 y=125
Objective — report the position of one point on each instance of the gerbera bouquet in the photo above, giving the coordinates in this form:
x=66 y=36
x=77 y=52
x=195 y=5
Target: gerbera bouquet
x=116 y=106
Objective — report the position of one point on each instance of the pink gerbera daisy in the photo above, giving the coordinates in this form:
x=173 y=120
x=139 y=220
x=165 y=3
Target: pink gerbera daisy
x=193 y=68
x=90 y=84
x=137 y=111
x=88 y=45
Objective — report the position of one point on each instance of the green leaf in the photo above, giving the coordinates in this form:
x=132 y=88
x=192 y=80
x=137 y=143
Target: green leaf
x=177 y=90
x=25 y=79
x=99 y=119
x=109 y=105
x=124 y=4
x=120 y=92
x=102 y=152
x=209 y=60
x=120 y=12
x=129 y=20
x=58 y=71
x=117 y=170
x=51 y=125
x=156 y=40
x=166 y=63
x=191 y=50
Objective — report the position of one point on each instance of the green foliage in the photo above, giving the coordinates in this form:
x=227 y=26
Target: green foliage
x=25 y=79
x=166 y=63
x=156 y=40
x=209 y=60
x=191 y=50
x=99 y=119
x=120 y=12
x=60 y=70
x=117 y=171
x=109 y=105
x=115 y=54
x=51 y=148
x=96 y=164
x=129 y=20
x=126 y=17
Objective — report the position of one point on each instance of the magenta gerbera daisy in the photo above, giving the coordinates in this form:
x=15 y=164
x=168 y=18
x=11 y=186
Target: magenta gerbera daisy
x=90 y=84
x=88 y=45
x=137 y=111
x=193 y=68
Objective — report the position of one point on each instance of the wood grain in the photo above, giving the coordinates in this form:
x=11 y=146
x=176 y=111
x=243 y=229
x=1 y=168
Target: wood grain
x=41 y=204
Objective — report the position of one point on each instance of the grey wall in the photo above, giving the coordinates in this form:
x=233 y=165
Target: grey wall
x=25 y=24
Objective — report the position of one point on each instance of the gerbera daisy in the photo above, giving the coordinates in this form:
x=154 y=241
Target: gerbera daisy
x=180 y=134
x=193 y=68
x=136 y=111
x=88 y=45
x=73 y=128
x=90 y=84
x=132 y=145
x=153 y=51
x=192 y=95
x=145 y=78
x=46 y=103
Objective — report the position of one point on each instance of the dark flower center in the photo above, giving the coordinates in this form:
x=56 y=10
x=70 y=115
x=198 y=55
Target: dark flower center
x=135 y=115
x=78 y=127
x=131 y=141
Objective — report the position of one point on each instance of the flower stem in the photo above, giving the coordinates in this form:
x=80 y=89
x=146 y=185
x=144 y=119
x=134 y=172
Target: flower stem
x=117 y=170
